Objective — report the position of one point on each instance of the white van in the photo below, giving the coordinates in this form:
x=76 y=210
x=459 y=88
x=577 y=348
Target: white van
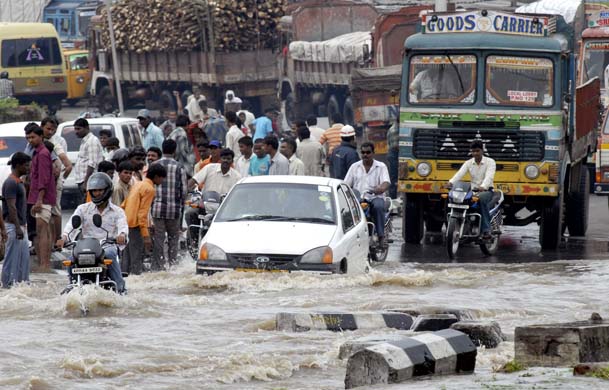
x=127 y=130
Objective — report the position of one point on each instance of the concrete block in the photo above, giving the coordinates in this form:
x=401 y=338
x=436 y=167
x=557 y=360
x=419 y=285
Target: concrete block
x=338 y=322
x=561 y=345
x=440 y=353
x=461 y=314
x=350 y=347
x=433 y=322
x=483 y=333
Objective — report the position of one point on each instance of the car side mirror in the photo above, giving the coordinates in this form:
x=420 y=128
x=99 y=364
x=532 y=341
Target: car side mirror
x=76 y=221
x=97 y=220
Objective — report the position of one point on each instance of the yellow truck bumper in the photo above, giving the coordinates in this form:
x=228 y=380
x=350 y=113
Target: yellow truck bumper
x=517 y=189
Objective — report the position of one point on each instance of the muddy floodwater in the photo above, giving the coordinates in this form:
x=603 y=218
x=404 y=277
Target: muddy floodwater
x=178 y=330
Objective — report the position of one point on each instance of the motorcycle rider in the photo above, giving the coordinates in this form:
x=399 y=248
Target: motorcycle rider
x=114 y=221
x=481 y=170
x=371 y=178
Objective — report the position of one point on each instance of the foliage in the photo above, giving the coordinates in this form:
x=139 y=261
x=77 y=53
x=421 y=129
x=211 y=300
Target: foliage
x=11 y=111
x=601 y=373
x=512 y=366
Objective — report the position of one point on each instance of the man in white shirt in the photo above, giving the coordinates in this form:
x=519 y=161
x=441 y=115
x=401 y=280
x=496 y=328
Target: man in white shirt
x=234 y=133
x=288 y=149
x=249 y=116
x=371 y=178
x=481 y=170
x=243 y=162
x=217 y=177
x=316 y=132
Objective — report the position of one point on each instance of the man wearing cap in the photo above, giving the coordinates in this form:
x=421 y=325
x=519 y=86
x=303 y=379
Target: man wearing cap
x=215 y=147
x=344 y=155
x=152 y=135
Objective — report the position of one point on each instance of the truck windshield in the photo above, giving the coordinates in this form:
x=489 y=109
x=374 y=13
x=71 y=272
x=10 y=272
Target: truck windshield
x=519 y=81
x=596 y=59
x=442 y=79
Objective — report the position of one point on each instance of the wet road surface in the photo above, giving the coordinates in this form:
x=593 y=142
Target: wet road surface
x=178 y=330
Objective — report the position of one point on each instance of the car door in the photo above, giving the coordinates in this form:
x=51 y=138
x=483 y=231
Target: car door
x=136 y=134
x=127 y=141
x=361 y=225
x=347 y=246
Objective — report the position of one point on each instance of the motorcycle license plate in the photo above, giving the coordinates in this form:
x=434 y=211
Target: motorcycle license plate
x=89 y=270
x=458 y=206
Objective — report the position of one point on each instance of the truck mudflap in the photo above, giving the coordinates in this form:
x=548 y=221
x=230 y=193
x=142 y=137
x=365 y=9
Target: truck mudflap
x=528 y=189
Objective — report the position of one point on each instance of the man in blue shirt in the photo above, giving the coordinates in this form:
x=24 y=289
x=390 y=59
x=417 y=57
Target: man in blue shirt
x=263 y=125
x=151 y=134
x=260 y=162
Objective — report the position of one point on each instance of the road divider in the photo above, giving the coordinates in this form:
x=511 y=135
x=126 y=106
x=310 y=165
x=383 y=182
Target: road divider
x=563 y=345
x=486 y=334
x=439 y=353
x=433 y=322
x=338 y=322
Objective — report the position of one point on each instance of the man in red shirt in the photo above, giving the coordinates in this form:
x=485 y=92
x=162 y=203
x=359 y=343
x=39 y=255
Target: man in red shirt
x=42 y=195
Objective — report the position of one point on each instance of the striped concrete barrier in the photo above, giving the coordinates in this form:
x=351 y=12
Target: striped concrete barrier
x=338 y=322
x=348 y=348
x=439 y=353
x=433 y=322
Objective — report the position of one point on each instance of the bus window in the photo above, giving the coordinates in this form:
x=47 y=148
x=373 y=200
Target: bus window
x=30 y=52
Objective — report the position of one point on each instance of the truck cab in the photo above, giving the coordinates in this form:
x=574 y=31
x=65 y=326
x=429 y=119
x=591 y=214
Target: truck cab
x=509 y=81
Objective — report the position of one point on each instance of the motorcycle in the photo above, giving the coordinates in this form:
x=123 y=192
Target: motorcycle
x=200 y=210
x=377 y=252
x=464 y=220
x=89 y=264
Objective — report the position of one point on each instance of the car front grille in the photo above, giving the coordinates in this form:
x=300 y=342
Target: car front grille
x=454 y=144
x=248 y=260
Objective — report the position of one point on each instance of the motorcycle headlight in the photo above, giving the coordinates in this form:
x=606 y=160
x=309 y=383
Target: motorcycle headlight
x=458 y=196
x=211 y=207
x=531 y=172
x=323 y=254
x=211 y=252
x=423 y=169
x=86 y=259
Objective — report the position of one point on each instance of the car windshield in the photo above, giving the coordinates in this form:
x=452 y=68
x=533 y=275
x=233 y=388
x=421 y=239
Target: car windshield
x=519 y=81
x=74 y=142
x=279 y=202
x=442 y=79
x=10 y=145
x=596 y=59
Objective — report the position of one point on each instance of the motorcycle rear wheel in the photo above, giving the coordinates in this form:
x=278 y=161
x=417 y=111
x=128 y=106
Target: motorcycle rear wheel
x=489 y=247
x=192 y=243
x=452 y=237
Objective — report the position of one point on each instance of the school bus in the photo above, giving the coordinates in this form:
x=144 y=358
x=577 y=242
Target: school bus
x=31 y=54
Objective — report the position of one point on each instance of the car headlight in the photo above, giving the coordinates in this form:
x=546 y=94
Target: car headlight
x=211 y=252
x=531 y=171
x=323 y=254
x=423 y=169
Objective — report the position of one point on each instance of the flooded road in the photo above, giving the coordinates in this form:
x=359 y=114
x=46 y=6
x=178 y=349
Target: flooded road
x=178 y=330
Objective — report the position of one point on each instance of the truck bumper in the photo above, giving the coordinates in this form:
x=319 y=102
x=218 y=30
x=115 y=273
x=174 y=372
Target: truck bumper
x=601 y=188
x=520 y=189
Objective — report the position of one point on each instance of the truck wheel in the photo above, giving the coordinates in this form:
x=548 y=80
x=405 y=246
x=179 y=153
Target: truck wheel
x=412 y=219
x=432 y=225
x=348 y=113
x=577 y=206
x=105 y=101
x=333 y=107
x=550 y=229
x=167 y=101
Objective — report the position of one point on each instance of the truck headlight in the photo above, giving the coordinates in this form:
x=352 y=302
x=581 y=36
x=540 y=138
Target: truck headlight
x=323 y=254
x=531 y=171
x=423 y=169
x=80 y=80
x=211 y=252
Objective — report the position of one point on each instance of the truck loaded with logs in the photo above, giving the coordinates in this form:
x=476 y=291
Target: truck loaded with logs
x=180 y=45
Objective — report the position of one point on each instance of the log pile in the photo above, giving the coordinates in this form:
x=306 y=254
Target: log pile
x=183 y=25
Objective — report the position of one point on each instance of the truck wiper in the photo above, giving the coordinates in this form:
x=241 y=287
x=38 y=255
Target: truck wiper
x=456 y=70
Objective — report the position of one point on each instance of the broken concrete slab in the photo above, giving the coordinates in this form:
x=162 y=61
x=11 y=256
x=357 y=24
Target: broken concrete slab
x=338 y=322
x=461 y=314
x=487 y=334
x=561 y=345
x=441 y=353
x=433 y=322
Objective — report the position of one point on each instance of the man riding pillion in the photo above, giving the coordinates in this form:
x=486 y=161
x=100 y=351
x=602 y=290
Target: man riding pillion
x=114 y=222
x=482 y=172
x=371 y=178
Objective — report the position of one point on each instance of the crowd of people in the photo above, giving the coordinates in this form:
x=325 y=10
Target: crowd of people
x=140 y=193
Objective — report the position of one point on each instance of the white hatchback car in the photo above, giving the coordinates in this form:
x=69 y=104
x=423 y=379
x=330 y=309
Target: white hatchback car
x=12 y=139
x=127 y=131
x=287 y=223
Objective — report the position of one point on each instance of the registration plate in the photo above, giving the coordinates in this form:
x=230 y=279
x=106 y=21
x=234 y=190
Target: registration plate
x=458 y=206
x=90 y=270
x=32 y=82
x=259 y=270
